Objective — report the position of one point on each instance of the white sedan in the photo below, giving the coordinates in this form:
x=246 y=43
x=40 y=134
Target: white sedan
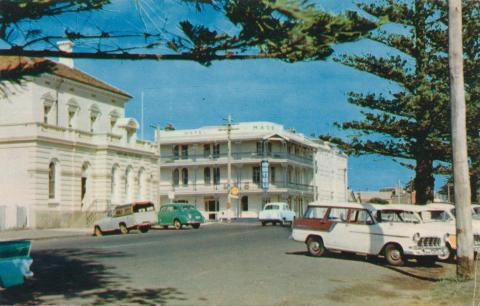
x=274 y=213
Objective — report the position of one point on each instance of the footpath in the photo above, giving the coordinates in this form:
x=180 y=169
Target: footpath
x=42 y=234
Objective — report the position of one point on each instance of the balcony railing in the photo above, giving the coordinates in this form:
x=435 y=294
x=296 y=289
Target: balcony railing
x=237 y=156
x=223 y=187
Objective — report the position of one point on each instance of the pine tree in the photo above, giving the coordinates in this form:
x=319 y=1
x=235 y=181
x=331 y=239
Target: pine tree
x=412 y=123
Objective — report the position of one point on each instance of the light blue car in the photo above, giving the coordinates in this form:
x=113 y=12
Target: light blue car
x=15 y=262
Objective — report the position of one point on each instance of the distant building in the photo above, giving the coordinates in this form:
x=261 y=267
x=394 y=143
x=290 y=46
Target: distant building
x=393 y=195
x=67 y=151
x=194 y=168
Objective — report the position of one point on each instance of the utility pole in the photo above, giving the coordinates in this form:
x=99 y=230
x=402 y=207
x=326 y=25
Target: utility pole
x=229 y=128
x=465 y=263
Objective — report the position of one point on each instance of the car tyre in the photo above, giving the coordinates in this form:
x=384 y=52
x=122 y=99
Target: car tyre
x=315 y=246
x=428 y=261
x=196 y=226
x=394 y=255
x=448 y=256
x=274 y=223
x=177 y=224
x=123 y=229
x=97 y=231
x=143 y=229
x=165 y=226
x=264 y=223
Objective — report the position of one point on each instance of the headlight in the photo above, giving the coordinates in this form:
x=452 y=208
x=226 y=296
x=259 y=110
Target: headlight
x=416 y=237
x=445 y=238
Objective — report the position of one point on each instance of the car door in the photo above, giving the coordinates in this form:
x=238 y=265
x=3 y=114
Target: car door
x=337 y=237
x=364 y=234
x=163 y=215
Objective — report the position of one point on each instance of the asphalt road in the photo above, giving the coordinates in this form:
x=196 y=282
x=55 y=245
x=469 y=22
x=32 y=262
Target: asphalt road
x=218 y=264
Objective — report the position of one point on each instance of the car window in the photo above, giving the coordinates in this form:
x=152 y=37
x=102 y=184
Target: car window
x=435 y=216
x=315 y=212
x=397 y=216
x=187 y=207
x=143 y=207
x=338 y=214
x=360 y=216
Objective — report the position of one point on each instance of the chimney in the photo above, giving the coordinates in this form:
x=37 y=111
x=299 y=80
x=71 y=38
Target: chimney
x=65 y=46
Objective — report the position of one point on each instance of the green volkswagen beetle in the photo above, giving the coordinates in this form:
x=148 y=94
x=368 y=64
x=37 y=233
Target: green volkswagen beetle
x=179 y=214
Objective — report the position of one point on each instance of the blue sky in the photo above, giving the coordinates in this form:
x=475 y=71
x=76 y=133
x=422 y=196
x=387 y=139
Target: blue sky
x=308 y=96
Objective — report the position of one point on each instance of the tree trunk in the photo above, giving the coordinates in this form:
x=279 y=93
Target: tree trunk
x=424 y=181
x=465 y=264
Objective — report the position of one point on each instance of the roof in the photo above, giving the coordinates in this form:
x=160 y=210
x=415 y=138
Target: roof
x=440 y=206
x=58 y=69
x=406 y=207
x=344 y=205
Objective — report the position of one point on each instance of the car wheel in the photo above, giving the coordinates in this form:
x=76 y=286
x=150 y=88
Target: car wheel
x=394 y=255
x=195 y=226
x=283 y=222
x=123 y=229
x=97 y=231
x=274 y=223
x=264 y=223
x=428 y=261
x=143 y=229
x=165 y=226
x=448 y=256
x=177 y=225
x=315 y=246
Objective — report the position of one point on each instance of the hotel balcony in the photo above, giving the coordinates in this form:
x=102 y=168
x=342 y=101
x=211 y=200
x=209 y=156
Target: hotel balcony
x=244 y=187
x=237 y=158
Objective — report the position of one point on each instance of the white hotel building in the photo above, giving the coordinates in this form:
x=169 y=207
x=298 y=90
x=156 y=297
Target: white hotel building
x=68 y=153
x=193 y=168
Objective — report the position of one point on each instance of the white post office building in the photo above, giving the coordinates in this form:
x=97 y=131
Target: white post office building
x=194 y=163
x=67 y=152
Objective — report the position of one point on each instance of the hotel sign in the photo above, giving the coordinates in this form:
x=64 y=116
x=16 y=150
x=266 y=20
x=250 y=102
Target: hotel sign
x=264 y=173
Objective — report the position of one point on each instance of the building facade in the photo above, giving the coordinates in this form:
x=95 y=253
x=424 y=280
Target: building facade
x=194 y=168
x=67 y=152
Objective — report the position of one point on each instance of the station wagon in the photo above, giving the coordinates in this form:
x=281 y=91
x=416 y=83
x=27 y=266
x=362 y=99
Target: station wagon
x=179 y=214
x=123 y=218
x=350 y=227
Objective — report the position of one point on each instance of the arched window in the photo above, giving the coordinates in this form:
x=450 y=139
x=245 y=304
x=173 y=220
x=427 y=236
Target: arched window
x=245 y=203
x=142 y=185
x=48 y=103
x=94 y=115
x=206 y=176
x=52 y=175
x=85 y=184
x=175 y=177
x=114 y=183
x=129 y=184
x=184 y=176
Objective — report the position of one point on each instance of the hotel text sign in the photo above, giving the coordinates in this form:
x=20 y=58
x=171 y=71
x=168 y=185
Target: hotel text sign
x=264 y=167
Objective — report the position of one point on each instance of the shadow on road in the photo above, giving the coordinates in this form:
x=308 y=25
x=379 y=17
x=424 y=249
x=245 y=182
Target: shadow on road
x=411 y=268
x=71 y=274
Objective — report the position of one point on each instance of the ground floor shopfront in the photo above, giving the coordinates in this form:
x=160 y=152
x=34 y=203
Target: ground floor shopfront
x=215 y=207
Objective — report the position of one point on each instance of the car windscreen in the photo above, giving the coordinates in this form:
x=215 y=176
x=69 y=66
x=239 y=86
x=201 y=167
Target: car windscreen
x=397 y=216
x=272 y=207
x=143 y=207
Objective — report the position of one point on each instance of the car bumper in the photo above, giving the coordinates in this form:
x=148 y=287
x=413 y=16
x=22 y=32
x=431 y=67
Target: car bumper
x=425 y=251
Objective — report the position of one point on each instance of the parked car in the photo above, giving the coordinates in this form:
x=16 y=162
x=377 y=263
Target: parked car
x=178 y=215
x=442 y=212
x=123 y=218
x=276 y=212
x=15 y=262
x=350 y=227
x=415 y=214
